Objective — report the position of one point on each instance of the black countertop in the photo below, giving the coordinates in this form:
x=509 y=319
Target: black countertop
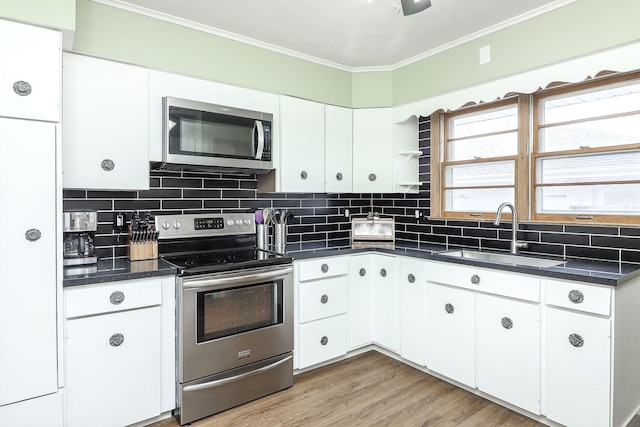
x=115 y=269
x=589 y=271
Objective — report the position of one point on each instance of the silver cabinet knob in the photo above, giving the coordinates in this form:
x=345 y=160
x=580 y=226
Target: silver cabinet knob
x=324 y=340
x=32 y=234
x=22 y=88
x=116 y=297
x=576 y=296
x=506 y=323
x=304 y=175
x=324 y=299
x=411 y=278
x=576 y=340
x=339 y=176
x=383 y=272
x=449 y=308
x=362 y=272
x=107 y=165
x=116 y=340
x=475 y=279
x=324 y=268
x=372 y=177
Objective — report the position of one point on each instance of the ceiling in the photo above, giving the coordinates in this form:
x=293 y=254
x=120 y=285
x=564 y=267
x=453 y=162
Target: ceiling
x=347 y=34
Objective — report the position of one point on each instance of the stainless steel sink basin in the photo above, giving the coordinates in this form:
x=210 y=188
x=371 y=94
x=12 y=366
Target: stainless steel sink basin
x=493 y=257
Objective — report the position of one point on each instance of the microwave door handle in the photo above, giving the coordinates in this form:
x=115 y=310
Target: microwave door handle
x=258 y=131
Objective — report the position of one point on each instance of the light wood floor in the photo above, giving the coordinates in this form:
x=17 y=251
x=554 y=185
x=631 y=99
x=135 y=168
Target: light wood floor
x=366 y=390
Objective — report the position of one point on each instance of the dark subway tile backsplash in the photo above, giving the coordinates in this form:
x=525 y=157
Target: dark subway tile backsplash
x=319 y=220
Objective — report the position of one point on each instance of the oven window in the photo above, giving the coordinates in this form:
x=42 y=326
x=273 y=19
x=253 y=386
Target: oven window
x=232 y=311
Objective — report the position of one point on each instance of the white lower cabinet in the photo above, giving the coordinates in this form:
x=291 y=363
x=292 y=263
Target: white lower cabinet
x=113 y=353
x=413 y=309
x=41 y=411
x=361 y=294
x=508 y=350
x=451 y=329
x=320 y=312
x=578 y=368
x=386 y=302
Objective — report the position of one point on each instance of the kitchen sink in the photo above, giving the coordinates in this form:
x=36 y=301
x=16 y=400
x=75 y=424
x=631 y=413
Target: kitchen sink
x=493 y=257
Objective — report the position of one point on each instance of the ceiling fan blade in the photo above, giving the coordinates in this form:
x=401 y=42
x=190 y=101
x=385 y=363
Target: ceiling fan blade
x=409 y=7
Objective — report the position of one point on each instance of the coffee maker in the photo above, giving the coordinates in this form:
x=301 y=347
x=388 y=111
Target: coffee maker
x=79 y=228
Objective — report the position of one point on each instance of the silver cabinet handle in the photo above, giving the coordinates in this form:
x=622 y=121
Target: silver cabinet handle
x=506 y=323
x=372 y=177
x=324 y=268
x=324 y=299
x=576 y=340
x=576 y=297
x=449 y=308
x=324 y=340
x=339 y=176
x=32 y=234
x=475 y=279
x=116 y=297
x=362 y=272
x=116 y=340
x=411 y=278
x=304 y=175
x=107 y=165
x=383 y=272
x=22 y=88
x=217 y=383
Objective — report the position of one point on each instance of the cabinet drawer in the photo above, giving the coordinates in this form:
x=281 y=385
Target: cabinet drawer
x=111 y=297
x=578 y=296
x=321 y=268
x=322 y=298
x=486 y=280
x=322 y=340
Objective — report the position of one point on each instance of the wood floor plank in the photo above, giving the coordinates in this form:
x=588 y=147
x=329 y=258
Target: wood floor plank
x=371 y=390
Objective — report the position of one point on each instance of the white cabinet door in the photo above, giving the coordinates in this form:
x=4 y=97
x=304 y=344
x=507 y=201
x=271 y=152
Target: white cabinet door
x=30 y=72
x=373 y=150
x=451 y=333
x=114 y=368
x=41 y=411
x=386 y=307
x=301 y=166
x=361 y=291
x=338 y=144
x=28 y=320
x=508 y=350
x=104 y=125
x=578 y=368
x=322 y=340
x=413 y=312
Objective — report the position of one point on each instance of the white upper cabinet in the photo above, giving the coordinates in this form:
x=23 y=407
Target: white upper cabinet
x=373 y=150
x=338 y=145
x=301 y=145
x=105 y=124
x=30 y=72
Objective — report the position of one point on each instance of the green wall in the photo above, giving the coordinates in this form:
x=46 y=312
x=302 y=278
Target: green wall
x=568 y=32
x=576 y=29
x=59 y=14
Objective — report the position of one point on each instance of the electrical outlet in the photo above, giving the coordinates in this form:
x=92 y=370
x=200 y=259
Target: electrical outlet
x=119 y=221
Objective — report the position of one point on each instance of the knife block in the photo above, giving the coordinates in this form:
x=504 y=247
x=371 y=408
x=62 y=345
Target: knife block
x=142 y=250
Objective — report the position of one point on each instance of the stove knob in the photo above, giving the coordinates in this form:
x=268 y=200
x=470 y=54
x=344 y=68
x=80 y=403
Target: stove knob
x=177 y=225
x=166 y=225
x=230 y=222
x=238 y=222
x=247 y=222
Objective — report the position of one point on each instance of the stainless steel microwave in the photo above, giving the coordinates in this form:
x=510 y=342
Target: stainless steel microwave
x=202 y=136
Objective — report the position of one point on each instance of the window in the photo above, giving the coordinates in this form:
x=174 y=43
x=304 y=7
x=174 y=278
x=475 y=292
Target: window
x=573 y=156
x=481 y=158
x=587 y=152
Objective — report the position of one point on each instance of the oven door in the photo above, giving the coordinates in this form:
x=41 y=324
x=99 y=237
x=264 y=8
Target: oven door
x=233 y=319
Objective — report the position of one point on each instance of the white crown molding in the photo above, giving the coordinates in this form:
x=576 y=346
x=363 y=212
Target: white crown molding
x=257 y=43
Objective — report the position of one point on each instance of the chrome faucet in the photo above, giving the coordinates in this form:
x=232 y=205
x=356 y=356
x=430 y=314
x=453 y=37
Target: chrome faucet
x=515 y=244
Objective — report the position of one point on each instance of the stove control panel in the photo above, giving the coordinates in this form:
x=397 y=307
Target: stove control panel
x=199 y=225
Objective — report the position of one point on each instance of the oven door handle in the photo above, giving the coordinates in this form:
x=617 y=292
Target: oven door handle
x=239 y=280
x=217 y=383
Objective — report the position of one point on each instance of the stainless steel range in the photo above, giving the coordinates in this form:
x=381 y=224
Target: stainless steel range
x=234 y=316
